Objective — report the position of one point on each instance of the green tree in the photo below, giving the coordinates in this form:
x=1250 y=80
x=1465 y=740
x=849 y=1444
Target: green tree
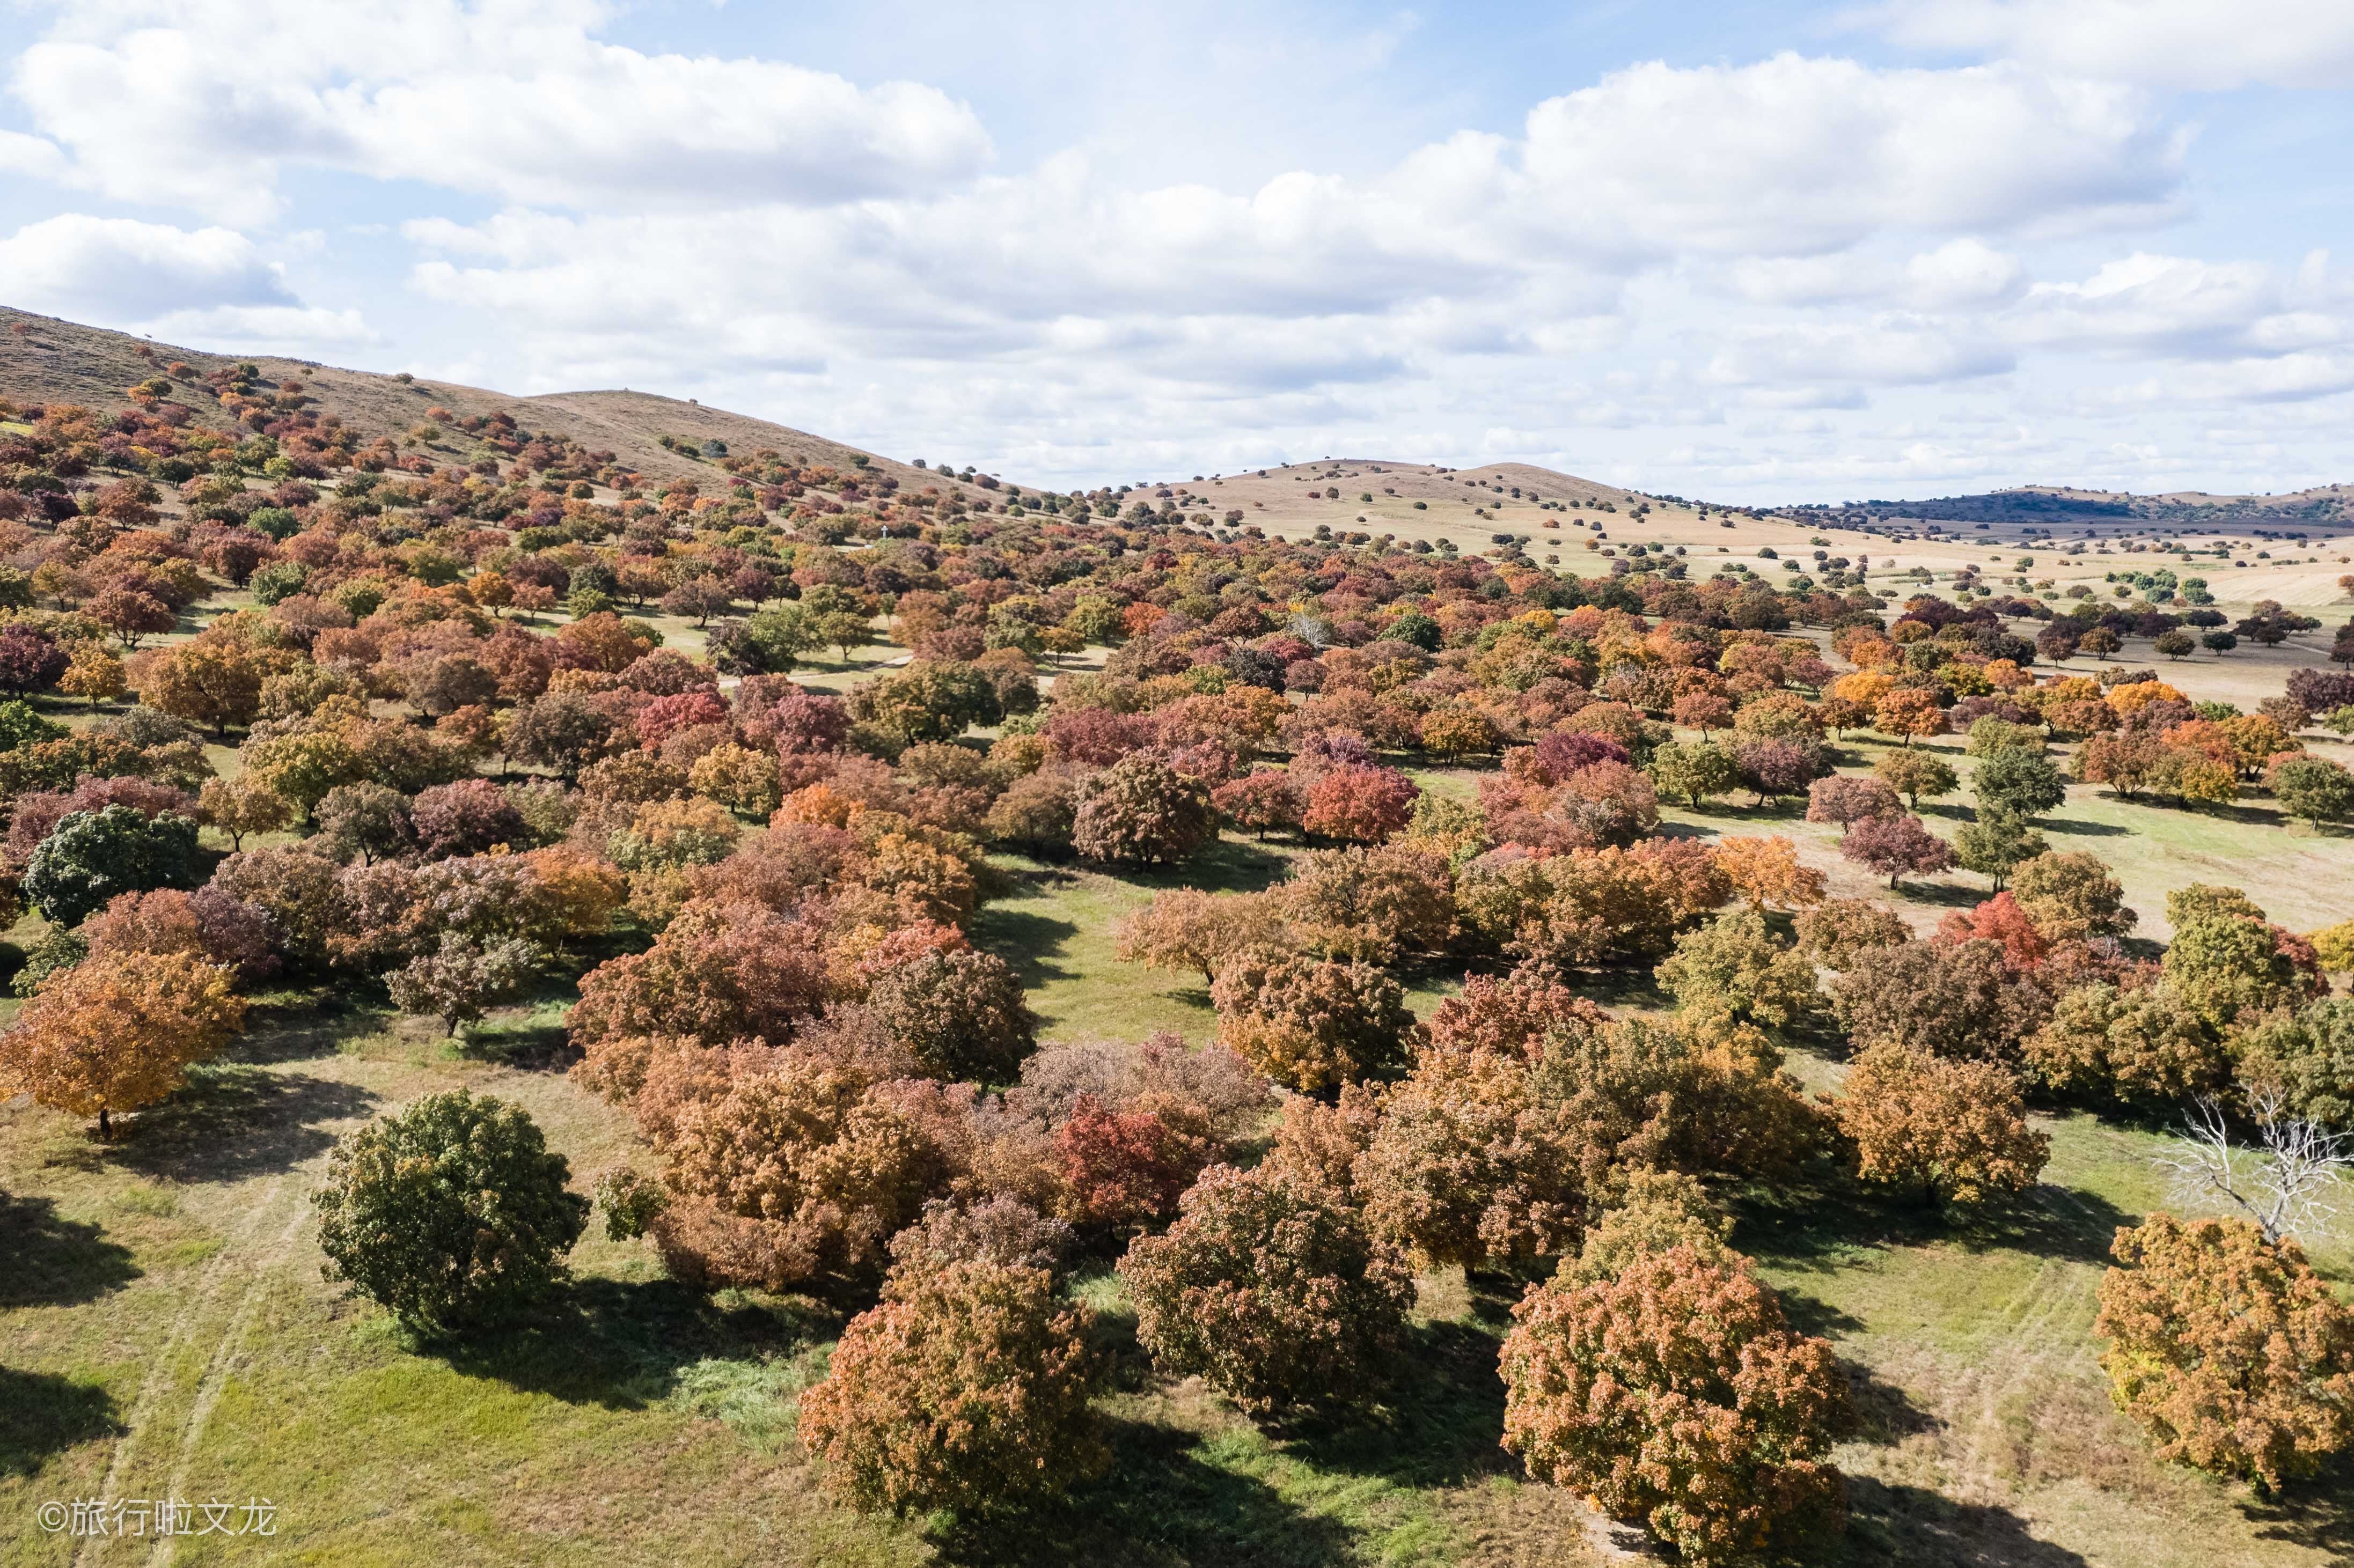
x=90 y=856
x=451 y=1211
x=1915 y=774
x=2020 y=782
x=1997 y=842
x=1694 y=772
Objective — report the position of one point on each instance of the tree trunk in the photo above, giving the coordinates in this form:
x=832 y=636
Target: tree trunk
x=105 y=1130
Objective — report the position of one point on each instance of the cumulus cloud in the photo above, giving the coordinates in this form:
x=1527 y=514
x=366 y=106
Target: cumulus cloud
x=117 y=269
x=2192 y=44
x=206 y=104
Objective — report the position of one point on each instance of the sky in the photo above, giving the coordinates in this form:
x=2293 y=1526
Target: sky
x=1739 y=251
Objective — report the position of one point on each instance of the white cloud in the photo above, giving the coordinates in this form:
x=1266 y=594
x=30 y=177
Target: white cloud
x=1965 y=272
x=2196 y=44
x=2178 y=306
x=1792 y=155
x=116 y=268
x=206 y=104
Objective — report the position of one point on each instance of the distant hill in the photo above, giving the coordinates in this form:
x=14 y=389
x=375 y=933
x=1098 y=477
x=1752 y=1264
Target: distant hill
x=52 y=361
x=2325 y=507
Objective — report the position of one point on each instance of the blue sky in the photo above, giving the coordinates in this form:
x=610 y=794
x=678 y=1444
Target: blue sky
x=1743 y=251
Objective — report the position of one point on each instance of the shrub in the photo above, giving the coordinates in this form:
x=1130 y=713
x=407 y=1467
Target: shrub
x=967 y=1388
x=1272 y=1292
x=1678 y=1392
x=2232 y=1354
x=451 y=1211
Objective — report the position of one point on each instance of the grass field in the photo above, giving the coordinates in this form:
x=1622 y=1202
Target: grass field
x=165 y=1333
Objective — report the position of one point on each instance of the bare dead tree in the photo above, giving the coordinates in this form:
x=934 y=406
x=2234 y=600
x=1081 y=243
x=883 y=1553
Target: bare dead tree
x=2288 y=1184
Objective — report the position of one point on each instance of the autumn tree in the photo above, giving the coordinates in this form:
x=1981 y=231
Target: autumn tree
x=1186 y=928
x=1359 y=804
x=240 y=806
x=2070 y=895
x=1846 y=799
x=1678 y=1392
x=117 y=1031
x=1374 y=904
x=1694 y=772
x=461 y=977
x=1896 y=846
x=959 y=1012
x=2314 y=787
x=2141 y=1042
x=1837 y=931
x=453 y=1213
x=2229 y=1351
x=1766 y=872
x=1955 y=1133
x=967 y=1388
x=1272 y=1291
x=1311 y=1025
x=1948 y=999
x=1731 y=970
x=1141 y=811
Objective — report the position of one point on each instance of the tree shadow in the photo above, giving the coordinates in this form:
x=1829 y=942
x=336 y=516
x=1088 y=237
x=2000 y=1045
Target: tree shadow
x=1923 y=1528
x=2076 y=828
x=1820 y=1225
x=1945 y=894
x=1026 y=939
x=2316 y=1512
x=1884 y=1412
x=42 y=1415
x=1160 y=1505
x=1438 y=1424
x=621 y=1344
x=236 y=1120
x=55 y=1262
x=1813 y=1315
x=1228 y=866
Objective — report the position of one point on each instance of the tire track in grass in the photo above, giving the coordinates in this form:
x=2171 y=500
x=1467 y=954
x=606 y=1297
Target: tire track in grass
x=227 y=1355
x=162 y=1378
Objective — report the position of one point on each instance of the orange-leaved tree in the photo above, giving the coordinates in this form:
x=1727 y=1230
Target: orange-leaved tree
x=116 y=1031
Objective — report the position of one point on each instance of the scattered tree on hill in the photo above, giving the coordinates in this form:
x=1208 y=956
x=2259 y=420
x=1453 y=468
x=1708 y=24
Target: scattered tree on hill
x=968 y=1388
x=1271 y=1291
x=116 y=1032
x=2227 y=1349
x=1678 y=1392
